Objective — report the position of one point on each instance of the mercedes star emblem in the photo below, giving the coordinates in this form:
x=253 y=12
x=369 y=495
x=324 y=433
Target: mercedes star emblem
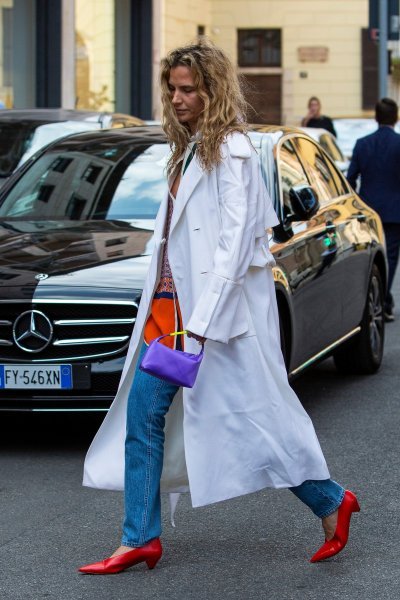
x=32 y=331
x=41 y=276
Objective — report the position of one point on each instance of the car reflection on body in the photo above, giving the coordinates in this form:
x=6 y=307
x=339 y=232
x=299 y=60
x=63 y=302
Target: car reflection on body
x=76 y=239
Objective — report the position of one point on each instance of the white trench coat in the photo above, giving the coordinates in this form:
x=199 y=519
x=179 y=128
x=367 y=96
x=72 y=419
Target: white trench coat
x=243 y=426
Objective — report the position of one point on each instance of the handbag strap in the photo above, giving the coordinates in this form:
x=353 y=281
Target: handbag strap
x=170 y=334
x=183 y=333
x=175 y=333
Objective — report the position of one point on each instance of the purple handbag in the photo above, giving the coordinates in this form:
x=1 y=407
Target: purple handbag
x=174 y=366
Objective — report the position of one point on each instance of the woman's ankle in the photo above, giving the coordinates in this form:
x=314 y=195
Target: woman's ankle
x=329 y=525
x=121 y=550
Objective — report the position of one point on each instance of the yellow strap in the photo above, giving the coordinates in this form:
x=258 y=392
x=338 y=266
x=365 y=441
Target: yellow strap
x=179 y=332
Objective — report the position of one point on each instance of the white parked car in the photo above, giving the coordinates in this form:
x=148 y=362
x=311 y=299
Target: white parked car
x=350 y=130
x=24 y=132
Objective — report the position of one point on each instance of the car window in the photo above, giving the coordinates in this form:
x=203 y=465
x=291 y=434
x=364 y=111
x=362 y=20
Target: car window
x=109 y=182
x=141 y=188
x=15 y=140
x=340 y=181
x=291 y=173
x=317 y=169
x=330 y=146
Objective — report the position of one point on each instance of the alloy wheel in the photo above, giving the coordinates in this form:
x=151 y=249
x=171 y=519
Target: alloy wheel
x=376 y=322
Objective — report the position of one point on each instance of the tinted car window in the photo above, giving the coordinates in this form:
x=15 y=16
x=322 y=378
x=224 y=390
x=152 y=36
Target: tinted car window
x=330 y=146
x=338 y=178
x=318 y=170
x=291 y=173
x=15 y=139
x=103 y=183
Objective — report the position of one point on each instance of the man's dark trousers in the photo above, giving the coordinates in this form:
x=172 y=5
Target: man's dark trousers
x=392 y=234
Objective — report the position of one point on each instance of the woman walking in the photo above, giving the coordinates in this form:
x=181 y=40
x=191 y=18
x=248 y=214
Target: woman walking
x=241 y=428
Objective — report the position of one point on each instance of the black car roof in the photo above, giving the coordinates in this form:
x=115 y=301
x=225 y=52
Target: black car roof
x=147 y=134
x=128 y=135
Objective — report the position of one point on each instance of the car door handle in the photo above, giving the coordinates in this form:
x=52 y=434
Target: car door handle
x=360 y=217
x=330 y=227
x=329 y=239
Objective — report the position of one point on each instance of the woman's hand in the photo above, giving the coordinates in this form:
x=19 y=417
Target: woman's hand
x=198 y=338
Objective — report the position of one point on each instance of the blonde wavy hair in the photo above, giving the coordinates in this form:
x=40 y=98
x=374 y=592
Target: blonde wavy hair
x=218 y=85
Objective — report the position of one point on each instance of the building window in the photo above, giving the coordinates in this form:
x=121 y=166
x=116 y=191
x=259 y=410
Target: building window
x=7 y=46
x=95 y=54
x=201 y=32
x=6 y=59
x=259 y=48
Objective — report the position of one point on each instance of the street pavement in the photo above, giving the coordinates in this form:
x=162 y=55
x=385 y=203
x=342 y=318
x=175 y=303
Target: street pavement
x=253 y=547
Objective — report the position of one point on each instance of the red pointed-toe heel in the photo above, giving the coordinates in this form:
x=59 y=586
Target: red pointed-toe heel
x=339 y=540
x=150 y=554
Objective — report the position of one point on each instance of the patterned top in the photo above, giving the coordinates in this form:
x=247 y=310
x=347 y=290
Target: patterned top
x=166 y=282
x=165 y=316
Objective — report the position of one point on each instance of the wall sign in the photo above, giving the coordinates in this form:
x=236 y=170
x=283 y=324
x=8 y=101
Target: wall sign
x=313 y=53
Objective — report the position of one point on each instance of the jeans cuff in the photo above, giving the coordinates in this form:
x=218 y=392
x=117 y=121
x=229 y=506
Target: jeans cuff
x=130 y=544
x=332 y=510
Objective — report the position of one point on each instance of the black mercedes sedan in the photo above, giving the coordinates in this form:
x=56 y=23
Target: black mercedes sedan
x=76 y=227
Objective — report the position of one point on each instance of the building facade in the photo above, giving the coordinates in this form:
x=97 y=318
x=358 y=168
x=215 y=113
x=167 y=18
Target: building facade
x=94 y=54
x=287 y=51
x=105 y=54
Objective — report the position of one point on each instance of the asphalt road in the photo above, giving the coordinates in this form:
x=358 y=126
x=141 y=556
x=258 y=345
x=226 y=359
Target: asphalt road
x=254 y=547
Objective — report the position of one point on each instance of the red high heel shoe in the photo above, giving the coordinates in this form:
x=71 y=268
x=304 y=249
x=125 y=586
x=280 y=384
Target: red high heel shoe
x=150 y=553
x=339 y=540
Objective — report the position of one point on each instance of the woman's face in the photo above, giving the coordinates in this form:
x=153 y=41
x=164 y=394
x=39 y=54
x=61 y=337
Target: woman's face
x=187 y=103
x=314 y=107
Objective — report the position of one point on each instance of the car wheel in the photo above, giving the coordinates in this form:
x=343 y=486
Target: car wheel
x=363 y=353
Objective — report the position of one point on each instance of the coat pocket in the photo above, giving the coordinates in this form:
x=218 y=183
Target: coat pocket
x=262 y=255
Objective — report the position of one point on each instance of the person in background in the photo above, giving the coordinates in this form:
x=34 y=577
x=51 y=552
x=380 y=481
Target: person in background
x=314 y=118
x=376 y=160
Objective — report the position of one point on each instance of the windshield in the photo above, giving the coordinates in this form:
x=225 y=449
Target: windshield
x=110 y=182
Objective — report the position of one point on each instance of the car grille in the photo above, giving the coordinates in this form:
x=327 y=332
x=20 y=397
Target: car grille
x=81 y=330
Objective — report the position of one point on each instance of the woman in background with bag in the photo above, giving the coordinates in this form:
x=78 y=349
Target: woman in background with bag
x=244 y=428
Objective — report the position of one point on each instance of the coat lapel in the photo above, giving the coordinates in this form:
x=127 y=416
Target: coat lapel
x=187 y=186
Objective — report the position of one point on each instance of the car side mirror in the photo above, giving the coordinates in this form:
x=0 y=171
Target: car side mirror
x=304 y=202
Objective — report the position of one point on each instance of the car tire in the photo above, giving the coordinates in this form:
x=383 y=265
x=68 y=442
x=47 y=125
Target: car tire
x=363 y=353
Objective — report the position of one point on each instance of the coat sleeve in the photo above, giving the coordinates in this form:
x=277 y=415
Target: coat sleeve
x=354 y=168
x=216 y=315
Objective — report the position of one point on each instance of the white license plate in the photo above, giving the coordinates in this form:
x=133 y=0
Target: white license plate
x=40 y=377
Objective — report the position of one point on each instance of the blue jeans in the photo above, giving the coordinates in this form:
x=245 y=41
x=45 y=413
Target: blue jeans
x=323 y=497
x=148 y=403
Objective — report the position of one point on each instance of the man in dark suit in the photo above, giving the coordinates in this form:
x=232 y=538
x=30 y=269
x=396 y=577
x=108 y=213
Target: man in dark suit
x=376 y=158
